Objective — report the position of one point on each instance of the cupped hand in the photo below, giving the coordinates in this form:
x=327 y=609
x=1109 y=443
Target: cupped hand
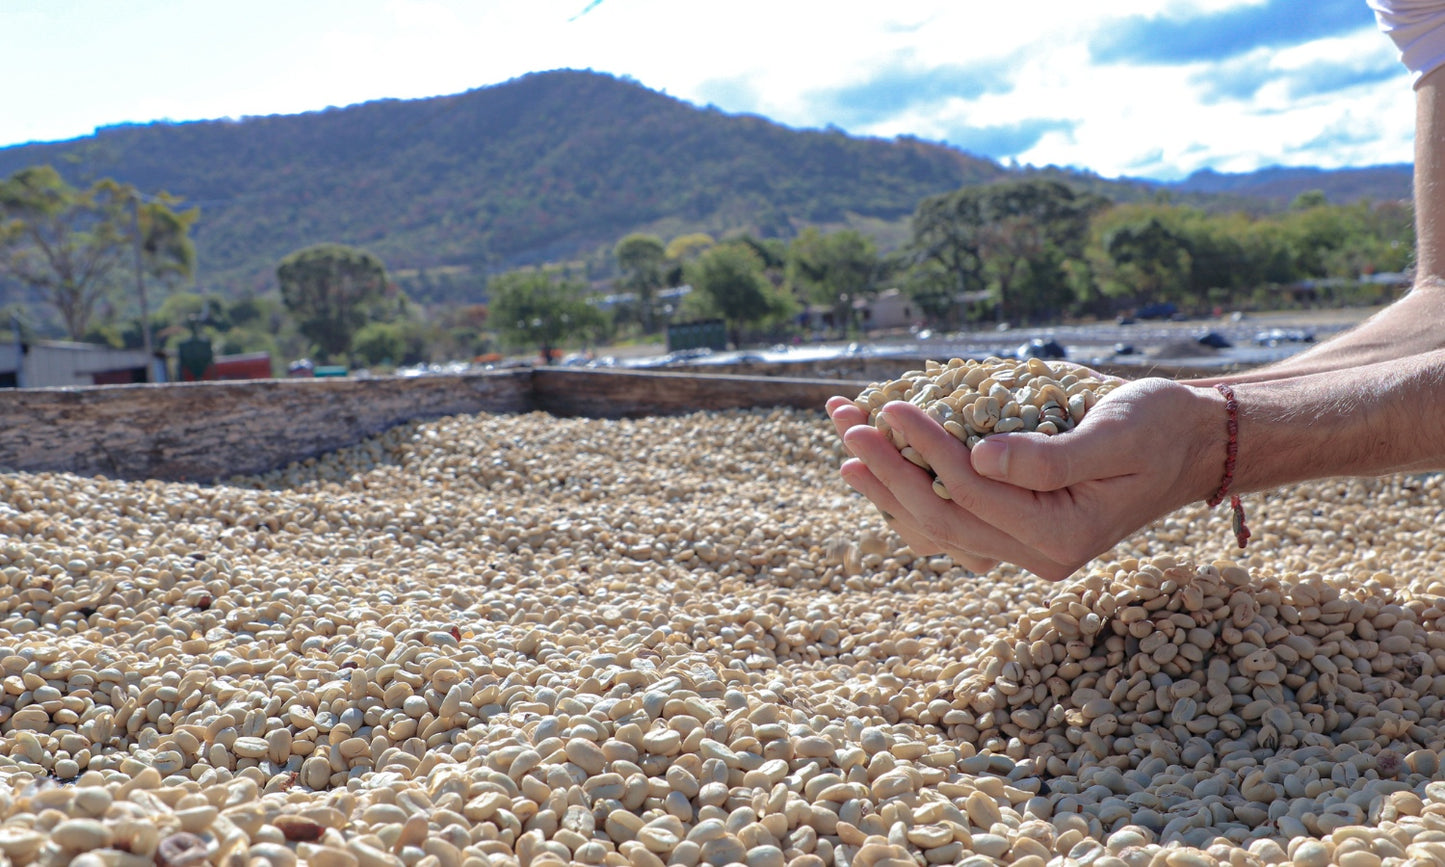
x=1046 y=503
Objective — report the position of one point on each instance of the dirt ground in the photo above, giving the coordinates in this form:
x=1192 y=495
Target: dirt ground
x=1315 y=318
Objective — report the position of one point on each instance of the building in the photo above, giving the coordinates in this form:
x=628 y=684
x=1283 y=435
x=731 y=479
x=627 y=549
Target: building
x=889 y=310
x=59 y=363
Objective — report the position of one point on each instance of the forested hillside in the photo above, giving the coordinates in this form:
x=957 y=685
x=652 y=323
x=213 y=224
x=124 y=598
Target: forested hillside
x=536 y=169
x=1280 y=185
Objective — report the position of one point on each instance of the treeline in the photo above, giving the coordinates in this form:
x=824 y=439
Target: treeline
x=1020 y=252
x=1039 y=250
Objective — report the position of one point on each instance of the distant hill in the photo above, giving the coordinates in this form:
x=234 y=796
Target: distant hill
x=535 y=169
x=551 y=166
x=1281 y=185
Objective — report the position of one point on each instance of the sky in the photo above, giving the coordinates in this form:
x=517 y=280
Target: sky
x=1139 y=88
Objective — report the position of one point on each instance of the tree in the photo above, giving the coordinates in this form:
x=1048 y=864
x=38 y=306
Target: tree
x=390 y=343
x=680 y=251
x=945 y=244
x=65 y=243
x=1142 y=259
x=530 y=308
x=835 y=269
x=685 y=248
x=332 y=290
x=1005 y=237
x=731 y=277
x=161 y=240
x=640 y=258
x=167 y=252
x=1029 y=230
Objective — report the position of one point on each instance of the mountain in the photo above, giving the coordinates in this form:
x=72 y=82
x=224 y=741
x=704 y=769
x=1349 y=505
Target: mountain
x=552 y=166
x=1280 y=184
x=536 y=169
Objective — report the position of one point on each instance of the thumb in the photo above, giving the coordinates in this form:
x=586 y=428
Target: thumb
x=1041 y=462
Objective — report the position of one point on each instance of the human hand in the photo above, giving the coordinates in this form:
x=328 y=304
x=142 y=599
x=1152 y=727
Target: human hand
x=1047 y=503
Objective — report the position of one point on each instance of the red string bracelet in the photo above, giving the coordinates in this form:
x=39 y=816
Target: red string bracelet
x=1231 y=406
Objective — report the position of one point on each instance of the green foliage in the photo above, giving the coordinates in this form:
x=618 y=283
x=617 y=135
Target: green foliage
x=458 y=332
x=1142 y=253
x=771 y=252
x=180 y=307
x=451 y=284
x=65 y=243
x=730 y=279
x=530 y=308
x=1142 y=260
x=333 y=290
x=254 y=312
x=1011 y=239
x=554 y=166
x=685 y=248
x=237 y=341
x=389 y=344
x=72 y=247
x=167 y=250
x=640 y=258
x=836 y=269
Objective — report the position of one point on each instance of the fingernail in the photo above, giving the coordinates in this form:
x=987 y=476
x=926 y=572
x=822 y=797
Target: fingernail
x=990 y=459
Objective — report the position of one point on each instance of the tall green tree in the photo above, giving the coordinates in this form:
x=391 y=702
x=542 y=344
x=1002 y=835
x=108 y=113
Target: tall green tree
x=332 y=290
x=836 y=269
x=1029 y=230
x=944 y=247
x=168 y=253
x=161 y=238
x=731 y=278
x=1011 y=238
x=530 y=308
x=1143 y=260
x=640 y=258
x=67 y=244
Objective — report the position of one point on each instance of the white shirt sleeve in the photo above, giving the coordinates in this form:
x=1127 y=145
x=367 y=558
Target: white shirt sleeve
x=1418 y=30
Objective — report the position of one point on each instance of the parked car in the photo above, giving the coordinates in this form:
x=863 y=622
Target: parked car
x=1214 y=340
x=1276 y=336
x=1160 y=310
x=1039 y=348
x=683 y=356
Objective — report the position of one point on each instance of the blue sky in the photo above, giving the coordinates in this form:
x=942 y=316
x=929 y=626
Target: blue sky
x=1141 y=88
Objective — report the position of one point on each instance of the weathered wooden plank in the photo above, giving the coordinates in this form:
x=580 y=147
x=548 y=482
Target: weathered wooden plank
x=207 y=430
x=211 y=430
x=631 y=393
x=865 y=369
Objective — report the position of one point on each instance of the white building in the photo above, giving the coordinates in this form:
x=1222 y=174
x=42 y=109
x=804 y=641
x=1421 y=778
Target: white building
x=890 y=309
x=52 y=363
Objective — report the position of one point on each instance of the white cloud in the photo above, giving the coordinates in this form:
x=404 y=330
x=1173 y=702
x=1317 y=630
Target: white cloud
x=755 y=56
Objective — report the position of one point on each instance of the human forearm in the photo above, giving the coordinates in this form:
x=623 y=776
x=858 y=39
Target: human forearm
x=1375 y=419
x=1414 y=324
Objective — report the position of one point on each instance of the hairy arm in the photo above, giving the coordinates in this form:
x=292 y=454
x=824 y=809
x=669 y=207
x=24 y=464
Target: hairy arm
x=1370 y=420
